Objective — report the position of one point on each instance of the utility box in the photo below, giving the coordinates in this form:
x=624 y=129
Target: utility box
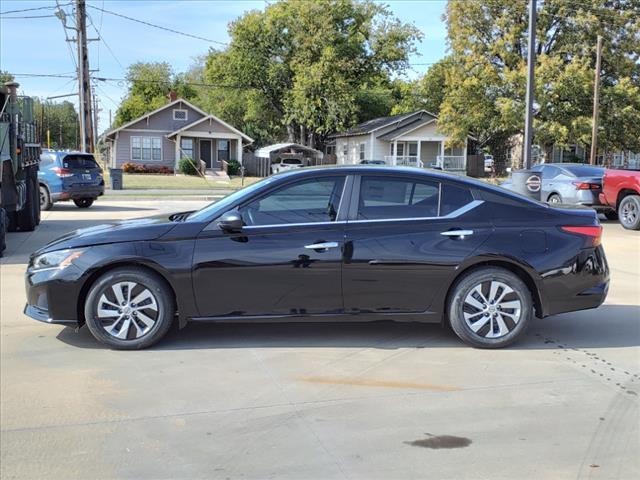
x=527 y=183
x=115 y=174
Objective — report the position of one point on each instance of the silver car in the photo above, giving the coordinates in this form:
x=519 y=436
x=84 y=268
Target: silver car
x=571 y=183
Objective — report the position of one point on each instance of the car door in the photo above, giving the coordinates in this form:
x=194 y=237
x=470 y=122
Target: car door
x=285 y=261
x=405 y=238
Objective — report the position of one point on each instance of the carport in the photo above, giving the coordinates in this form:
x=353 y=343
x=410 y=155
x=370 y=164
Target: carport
x=308 y=155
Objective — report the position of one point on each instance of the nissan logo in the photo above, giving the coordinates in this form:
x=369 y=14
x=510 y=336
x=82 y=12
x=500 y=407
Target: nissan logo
x=533 y=183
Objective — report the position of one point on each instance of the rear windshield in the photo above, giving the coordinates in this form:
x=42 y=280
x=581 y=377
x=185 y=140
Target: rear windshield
x=584 y=170
x=79 y=161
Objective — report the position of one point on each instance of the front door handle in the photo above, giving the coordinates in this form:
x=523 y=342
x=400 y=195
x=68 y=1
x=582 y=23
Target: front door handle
x=322 y=246
x=457 y=233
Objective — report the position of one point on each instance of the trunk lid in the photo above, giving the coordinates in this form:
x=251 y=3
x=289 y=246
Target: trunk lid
x=83 y=169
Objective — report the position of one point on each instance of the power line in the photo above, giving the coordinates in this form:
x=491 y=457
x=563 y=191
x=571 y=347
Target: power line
x=103 y=40
x=49 y=7
x=197 y=37
x=26 y=17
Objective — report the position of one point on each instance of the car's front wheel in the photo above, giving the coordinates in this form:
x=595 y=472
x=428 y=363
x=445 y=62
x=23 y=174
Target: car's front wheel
x=129 y=308
x=490 y=308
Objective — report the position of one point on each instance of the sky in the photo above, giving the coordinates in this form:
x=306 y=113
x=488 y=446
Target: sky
x=38 y=46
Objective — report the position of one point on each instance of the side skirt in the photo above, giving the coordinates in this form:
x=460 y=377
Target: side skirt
x=424 y=317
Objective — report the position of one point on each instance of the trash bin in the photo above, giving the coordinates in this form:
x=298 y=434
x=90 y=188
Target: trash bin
x=527 y=183
x=115 y=174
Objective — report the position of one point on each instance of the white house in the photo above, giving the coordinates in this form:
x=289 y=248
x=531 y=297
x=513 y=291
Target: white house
x=410 y=139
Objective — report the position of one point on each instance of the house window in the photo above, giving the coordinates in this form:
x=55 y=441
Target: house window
x=345 y=152
x=361 y=152
x=180 y=114
x=146 y=148
x=186 y=147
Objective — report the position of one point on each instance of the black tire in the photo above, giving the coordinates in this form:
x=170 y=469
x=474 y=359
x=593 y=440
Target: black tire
x=629 y=212
x=128 y=332
x=3 y=230
x=27 y=219
x=12 y=221
x=554 y=199
x=36 y=202
x=491 y=317
x=45 y=198
x=83 y=202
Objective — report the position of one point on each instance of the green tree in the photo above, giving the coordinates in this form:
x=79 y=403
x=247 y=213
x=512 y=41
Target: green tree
x=426 y=93
x=301 y=68
x=149 y=87
x=5 y=77
x=487 y=77
x=61 y=122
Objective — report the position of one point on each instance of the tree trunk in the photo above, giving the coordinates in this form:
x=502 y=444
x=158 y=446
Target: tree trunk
x=303 y=135
x=291 y=134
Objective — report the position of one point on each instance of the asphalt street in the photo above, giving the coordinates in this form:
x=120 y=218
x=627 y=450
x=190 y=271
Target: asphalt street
x=319 y=401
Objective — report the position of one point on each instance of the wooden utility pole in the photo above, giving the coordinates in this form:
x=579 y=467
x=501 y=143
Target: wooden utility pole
x=596 y=103
x=531 y=63
x=86 y=121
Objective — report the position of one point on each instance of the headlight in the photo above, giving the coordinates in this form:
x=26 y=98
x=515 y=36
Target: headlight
x=59 y=259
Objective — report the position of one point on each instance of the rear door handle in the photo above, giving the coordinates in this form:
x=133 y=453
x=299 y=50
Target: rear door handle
x=457 y=233
x=322 y=246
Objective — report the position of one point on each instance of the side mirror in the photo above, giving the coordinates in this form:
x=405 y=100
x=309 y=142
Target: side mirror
x=231 y=222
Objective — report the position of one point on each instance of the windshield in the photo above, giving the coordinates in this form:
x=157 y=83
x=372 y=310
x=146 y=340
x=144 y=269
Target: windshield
x=219 y=207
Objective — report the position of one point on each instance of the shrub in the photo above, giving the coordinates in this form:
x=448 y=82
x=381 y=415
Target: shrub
x=233 y=167
x=187 y=166
x=130 y=167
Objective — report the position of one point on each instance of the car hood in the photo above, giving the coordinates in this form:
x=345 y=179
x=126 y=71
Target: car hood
x=140 y=229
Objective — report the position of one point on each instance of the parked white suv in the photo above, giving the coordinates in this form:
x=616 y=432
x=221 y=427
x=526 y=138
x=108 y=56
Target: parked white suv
x=282 y=164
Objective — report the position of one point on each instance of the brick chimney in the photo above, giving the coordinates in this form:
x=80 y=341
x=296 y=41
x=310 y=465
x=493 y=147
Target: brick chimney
x=173 y=96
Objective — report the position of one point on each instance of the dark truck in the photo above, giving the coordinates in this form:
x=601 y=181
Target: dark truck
x=621 y=191
x=19 y=157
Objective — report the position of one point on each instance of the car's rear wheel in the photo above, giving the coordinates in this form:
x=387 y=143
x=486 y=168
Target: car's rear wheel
x=83 y=202
x=129 y=308
x=554 y=198
x=629 y=212
x=45 y=198
x=490 y=308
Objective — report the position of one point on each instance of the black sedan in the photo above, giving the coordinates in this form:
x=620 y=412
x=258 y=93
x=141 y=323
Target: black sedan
x=353 y=243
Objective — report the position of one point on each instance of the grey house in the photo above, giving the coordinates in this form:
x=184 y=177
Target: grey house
x=410 y=139
x=176 y=130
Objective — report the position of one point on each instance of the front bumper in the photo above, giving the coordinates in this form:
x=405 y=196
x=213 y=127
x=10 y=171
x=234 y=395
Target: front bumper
x=52 y=295
x=42 y=315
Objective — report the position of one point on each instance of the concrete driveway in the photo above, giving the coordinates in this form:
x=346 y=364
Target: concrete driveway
x=318 y=401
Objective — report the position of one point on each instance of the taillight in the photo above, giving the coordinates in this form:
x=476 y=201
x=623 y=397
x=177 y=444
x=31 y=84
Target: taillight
x=592 y=233
x=586 y=186
x=63 y=172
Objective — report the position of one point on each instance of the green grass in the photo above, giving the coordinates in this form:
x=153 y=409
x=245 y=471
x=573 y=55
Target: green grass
x=139 y=181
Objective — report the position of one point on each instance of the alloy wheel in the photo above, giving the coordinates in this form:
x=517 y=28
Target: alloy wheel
x=629 y=213
x=127 y=310
x=492 y=309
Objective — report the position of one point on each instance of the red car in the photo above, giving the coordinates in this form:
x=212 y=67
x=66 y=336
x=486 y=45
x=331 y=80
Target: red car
x=621 y=191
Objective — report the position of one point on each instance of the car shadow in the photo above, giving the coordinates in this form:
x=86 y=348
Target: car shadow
x=610 y=326
x=64 y=206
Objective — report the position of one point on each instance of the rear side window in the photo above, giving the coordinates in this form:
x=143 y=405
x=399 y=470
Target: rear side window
x=79 y=161
x=453 y=198
x=389 y=198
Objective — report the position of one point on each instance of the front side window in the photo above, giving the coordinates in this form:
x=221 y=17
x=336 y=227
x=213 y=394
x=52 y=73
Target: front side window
x=186 y=147
x=307 y=201
x=389 y=198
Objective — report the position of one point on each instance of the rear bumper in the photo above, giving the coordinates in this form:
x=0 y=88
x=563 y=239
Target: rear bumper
x=75 y=192
x=582 y=284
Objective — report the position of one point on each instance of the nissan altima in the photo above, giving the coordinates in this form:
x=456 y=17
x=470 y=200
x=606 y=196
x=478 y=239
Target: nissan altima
x=354 y=243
